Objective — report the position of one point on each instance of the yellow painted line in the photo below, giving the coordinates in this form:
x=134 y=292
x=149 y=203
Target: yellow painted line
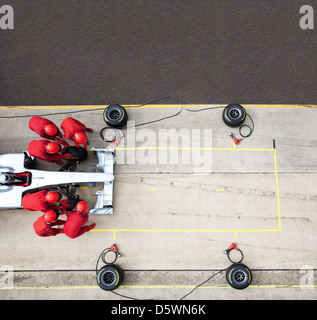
x=254 y=149
x=83 y=187
x=183 y=230
x=153 y=106
x=218 y=287
x=50 y=288
x=157 y=287
x=219 y=190
x=210 y=230
x=50 y=107
x=167 y=106
x=171 y=106
x=153 y=189
x=189 y=148
x=163 y=148
x=169 y=287
x=281 y=106
x=284 y=286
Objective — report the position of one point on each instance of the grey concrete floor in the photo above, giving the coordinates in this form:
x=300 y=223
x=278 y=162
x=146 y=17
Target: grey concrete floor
x=172 y=222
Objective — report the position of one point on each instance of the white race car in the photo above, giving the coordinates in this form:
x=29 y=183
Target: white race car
x=17 y=177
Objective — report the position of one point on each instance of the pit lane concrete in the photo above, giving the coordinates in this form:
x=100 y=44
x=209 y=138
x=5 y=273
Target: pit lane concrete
x=172 y=224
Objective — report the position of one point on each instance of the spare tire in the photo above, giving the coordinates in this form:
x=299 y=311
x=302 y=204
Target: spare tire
x=239 y=276
x=109 y=277
x=233 y=115
x=115 y=116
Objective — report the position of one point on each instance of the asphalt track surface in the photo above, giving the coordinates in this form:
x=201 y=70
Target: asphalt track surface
x=100 y=52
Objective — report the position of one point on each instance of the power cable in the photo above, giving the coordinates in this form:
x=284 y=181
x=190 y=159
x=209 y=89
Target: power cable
x=48 y=114
x=132 y=298
x=247 y=126
x=199 y=285
x=118 y=294
x=139 y=124
x=101 y=132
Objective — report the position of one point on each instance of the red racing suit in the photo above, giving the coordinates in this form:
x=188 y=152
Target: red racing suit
x=44 y=229
x=37 y=149
x=70 y=126
x=36 y=202
x=37 y=125
x=73 y=226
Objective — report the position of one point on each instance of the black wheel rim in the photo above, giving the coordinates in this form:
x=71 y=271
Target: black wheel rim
x=114 y=114
x=108 y=278
x=234 y=114
x=239 y=276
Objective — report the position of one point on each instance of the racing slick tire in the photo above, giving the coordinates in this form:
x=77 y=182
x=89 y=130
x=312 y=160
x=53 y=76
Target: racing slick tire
x=79 y=154
x=29 y=162
x=115 y=116
x=239 y=276
x=233 y=115
x=109 y=277
x=73 y=202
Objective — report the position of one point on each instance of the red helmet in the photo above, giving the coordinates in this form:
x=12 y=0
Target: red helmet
x=52 y=196
x=80 y=137
x=50 y=216
x=50 y=130
x=52 y=147
x=82 y=206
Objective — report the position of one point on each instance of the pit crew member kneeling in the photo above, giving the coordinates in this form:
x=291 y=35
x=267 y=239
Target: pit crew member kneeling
x=74 y=225
x=48 y=151
x=44 y=225
x=41 y=201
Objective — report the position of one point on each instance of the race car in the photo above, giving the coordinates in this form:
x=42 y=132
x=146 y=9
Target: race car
x=18 y=177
